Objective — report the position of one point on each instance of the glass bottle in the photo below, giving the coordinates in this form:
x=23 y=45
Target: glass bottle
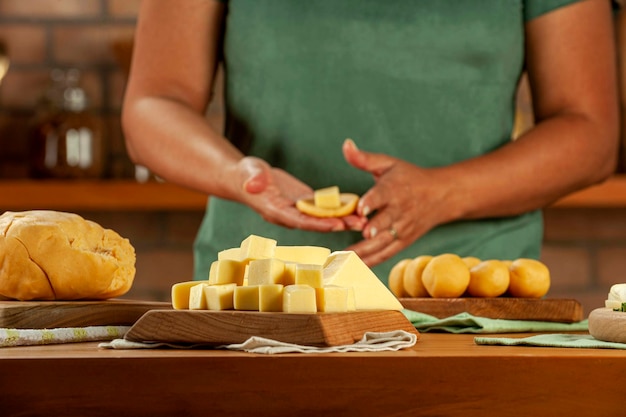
x=67 y=140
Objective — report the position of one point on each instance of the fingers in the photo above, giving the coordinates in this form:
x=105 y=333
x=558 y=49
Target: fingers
x=380 y=248
x=256 y=173
x=292 y=218
x=374 y=163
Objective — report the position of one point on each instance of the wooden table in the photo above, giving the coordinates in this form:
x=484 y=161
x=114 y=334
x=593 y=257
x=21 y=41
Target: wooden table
x=444 y=374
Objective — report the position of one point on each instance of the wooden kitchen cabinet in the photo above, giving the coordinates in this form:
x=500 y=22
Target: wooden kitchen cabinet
x=128 y=195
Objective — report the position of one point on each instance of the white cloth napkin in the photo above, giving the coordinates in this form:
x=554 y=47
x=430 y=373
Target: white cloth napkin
x=26 y=337
x=370 y=342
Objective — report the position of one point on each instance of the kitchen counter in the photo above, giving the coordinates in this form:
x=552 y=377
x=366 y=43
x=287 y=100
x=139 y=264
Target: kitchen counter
x=442 y=375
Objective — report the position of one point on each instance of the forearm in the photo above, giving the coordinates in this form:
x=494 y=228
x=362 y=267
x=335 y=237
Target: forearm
x=561 y=154
x=179 y=145
x=570 y=59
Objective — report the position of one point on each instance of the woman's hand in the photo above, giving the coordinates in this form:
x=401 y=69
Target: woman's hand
x=404 y=204
x=272 y=193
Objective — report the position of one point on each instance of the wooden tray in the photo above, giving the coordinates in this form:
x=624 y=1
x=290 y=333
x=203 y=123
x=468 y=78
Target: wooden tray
x=232 y=326
x=608 y=325
x=553 y=310
x=54 y=314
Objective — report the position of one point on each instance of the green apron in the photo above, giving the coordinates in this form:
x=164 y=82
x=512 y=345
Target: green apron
x=431 y=82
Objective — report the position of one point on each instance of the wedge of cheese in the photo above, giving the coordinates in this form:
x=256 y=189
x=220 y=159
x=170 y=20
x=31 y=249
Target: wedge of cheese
x=346 y=269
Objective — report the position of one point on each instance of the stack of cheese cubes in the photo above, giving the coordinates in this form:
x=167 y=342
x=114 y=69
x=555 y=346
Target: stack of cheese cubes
x=262 y=276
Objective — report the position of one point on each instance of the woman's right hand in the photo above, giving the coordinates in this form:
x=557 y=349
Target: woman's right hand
x=273 y=193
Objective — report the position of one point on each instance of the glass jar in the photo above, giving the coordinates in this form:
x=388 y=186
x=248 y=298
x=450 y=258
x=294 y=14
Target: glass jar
x=66 y=140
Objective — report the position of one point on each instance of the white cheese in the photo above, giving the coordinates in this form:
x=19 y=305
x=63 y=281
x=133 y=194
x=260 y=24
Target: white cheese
x=346 y=269
x=219 y=297
x=299 y=299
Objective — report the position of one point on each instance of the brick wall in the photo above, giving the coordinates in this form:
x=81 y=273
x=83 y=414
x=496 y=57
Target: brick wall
x=583 y=248
x=41 y=35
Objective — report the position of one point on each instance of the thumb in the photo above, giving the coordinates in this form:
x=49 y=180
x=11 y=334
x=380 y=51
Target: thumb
x=256 y=173
x=374 y=163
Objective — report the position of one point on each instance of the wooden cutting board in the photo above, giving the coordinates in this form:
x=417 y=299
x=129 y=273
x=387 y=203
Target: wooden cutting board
x=608 y=325
x=55 y=314
x=553 y=310
x=232 y=326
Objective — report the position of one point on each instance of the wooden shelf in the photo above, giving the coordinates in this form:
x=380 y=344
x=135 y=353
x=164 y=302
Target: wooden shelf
x=80 y=195
x=610 y=194
x=128 y=195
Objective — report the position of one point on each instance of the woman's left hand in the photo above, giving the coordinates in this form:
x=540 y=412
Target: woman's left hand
x=404 y=204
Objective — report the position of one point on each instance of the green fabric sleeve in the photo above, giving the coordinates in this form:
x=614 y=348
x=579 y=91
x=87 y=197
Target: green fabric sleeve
x=536 y=8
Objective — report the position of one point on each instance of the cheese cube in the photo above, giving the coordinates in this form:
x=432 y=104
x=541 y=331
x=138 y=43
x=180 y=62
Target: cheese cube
x=289 y=278
x=302 y=254
x=257 y=247
x=246 y=298
x=266 y=271
x=308 y=274
x=226 y=271
x=271 y=297
x=180 y=294
x=232 y=254
x=219 y=297
x=327 y=197
x=299 y=299
x=346 y=269
x=197 y=301
x=332 y=299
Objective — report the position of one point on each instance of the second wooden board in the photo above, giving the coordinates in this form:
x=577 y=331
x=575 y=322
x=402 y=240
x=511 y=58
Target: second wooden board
x=553 y=310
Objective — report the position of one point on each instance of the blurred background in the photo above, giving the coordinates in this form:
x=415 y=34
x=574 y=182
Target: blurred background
x=63 y=70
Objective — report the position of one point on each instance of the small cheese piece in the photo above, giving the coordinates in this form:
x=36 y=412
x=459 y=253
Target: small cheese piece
x=219 y=297
x=266 y=271
x=226 y=271
x=332 y=299
x=613 y=304
x=309 y=274
x=289 y=278
x=256 y=247
x=346 y=269
x=197 y=301
x=180 y=294
x=302 y=254
x=299 y=299
x=271 y=297
x=246 y=298
x=232 y=254
x=327 y=197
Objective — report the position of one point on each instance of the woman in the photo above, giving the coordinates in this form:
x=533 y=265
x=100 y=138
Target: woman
x=424 y=88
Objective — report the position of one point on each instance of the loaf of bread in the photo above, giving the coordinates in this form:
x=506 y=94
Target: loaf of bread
x=51 y=255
